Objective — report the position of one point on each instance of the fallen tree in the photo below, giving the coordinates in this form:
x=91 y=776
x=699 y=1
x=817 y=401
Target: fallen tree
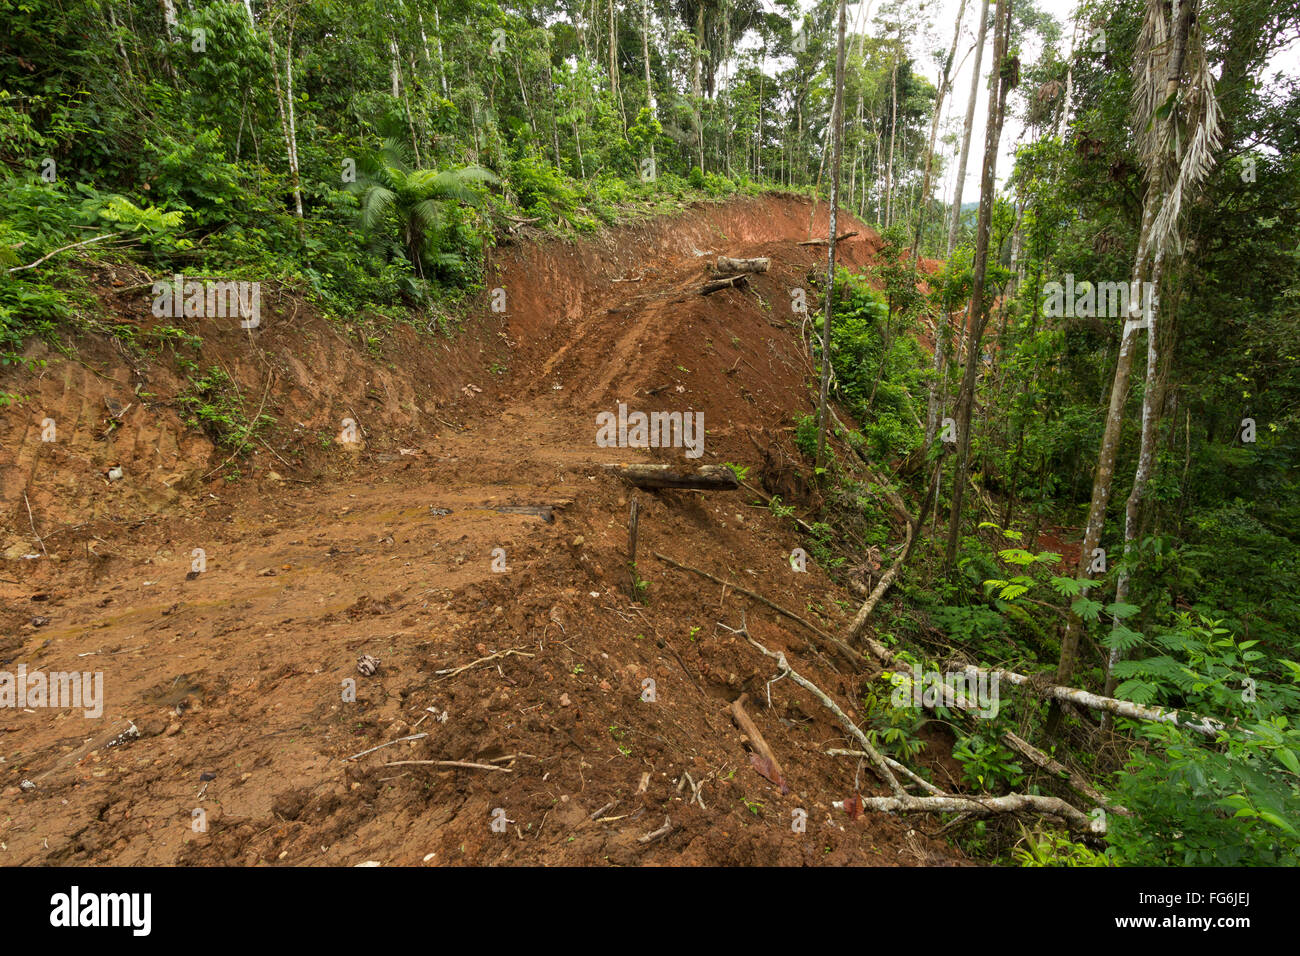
x=826 y=242
x=902 y=801
x=771 y=767
x=1207 y=726
x=1076 y=782
x=729 y=282
x=727 y=266
x=882 y=768
x=704 y=478
x=975 y=806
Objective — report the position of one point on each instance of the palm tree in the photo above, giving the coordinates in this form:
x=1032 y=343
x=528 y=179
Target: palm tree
x=417 y=198
x=1177 y=127
x=1178 y=133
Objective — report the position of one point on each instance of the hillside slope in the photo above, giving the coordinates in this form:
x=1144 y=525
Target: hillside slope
x=234 y=677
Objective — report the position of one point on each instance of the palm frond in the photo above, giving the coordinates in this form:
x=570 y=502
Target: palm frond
x=1204 y=132
x=427 y=215
x=396 y=152
x=376 y=203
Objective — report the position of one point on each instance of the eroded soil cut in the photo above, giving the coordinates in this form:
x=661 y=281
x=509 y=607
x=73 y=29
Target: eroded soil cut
x=233 y=677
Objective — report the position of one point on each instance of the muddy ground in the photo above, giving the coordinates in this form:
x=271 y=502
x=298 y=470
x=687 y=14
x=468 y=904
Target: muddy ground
x=225 y=736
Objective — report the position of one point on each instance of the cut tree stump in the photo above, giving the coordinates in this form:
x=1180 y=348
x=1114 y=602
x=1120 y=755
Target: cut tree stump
x=730 y=282
x=704 y=478
x=727 y=266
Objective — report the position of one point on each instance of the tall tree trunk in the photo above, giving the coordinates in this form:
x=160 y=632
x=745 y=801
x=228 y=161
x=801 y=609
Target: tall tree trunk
x=170 y=24
x=893 y=130
x=1105 y=473
x=878 y=123
x=645 y=58
x=1151 y=404
x=523 y=93
x=400 y=92
x=941 y=325
x=613 y=64
x=437 y=36
x=1064 y=116
x=171 y=27
x=697 y=91
x=944 y=83
x=726 y=82
x=424 y=40
x=970 y=123
x=837 y=113
x=284 y=102
x=758 y=150
x=1173 y=158
x=999 y=87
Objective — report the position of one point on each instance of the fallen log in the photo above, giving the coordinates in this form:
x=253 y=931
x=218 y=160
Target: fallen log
x=463 y=764
x=826 y=242
x=977 y=806
x=1207 y=726
x=653 y=835
x=704 y=478
x=859 y=624
x=882 y=768
x=729 y=282
x=728 y=266
x=1076 y=782
x=538 y=511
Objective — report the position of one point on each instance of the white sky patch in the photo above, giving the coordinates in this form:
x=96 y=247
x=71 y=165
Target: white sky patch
x=929 y=43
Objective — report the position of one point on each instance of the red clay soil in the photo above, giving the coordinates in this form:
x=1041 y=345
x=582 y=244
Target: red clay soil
x=225 y=688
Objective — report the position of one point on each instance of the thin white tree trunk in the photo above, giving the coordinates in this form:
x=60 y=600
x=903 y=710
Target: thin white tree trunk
x=999 y=87
x=940 y=94
x=170 y=21
x=1146 y=456
x=893 y=130
x=977 y=806
x=394 y=71
x=697 y=88
x=837 y=116
x=645 y=57
x=970 y=123
x=437 y=36
x=288 y=123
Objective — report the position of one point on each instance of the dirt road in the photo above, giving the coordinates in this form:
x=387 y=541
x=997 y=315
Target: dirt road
x=227 y=722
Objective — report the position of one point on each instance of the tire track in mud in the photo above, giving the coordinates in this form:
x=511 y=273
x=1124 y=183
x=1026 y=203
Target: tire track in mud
x=301 y=580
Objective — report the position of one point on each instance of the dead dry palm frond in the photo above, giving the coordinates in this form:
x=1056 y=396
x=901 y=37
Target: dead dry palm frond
x=1178 y=118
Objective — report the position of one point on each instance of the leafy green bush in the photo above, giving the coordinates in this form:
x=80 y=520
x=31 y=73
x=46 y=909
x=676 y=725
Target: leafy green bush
x=1055 y=849
x=212 y=403
x=542 y=190
x=986 y=764
x=1194 y=805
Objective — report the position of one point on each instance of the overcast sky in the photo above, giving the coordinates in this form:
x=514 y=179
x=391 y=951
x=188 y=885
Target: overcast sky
x=935 y=36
